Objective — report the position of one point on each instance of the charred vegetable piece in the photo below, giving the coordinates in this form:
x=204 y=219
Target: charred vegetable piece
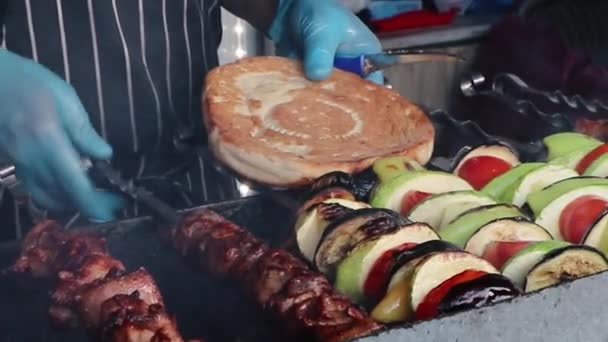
x=365 y=183
x=568 y=263
x=324 y=195
x=429 y=307
x=485 y=290
x=507 y=229
x=332 y=185
x=310 y=225
x=389 y=168
x=332 y=180
x=342 y=234
x=352 y=272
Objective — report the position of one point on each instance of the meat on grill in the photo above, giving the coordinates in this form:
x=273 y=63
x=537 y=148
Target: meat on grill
x=281 y=283
x=94 y=288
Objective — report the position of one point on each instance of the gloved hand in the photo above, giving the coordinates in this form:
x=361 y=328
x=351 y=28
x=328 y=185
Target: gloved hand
x=44 y=131
x=317 y=30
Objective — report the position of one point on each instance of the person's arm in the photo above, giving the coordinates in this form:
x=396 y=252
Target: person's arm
x=3 y=6
x=259 y=13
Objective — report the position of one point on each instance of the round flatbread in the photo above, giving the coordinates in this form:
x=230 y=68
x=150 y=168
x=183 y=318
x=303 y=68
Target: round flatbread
x=271 y=125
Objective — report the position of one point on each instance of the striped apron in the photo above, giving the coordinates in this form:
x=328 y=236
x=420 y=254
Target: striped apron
x=138 y=66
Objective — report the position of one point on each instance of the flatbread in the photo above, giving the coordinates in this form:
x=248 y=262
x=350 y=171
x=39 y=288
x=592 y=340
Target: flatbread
x=271 y=125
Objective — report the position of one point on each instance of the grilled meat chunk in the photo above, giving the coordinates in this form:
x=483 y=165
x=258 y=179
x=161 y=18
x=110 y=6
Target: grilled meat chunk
x=128 y=318
x=303 y=301
x=95 y=288
x=93 y=296
x=48 y=248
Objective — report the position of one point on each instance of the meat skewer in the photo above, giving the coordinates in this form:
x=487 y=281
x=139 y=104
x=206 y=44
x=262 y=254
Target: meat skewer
x=95 y=288
x=302 y=300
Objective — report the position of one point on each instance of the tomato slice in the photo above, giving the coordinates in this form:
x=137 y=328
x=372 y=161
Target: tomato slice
x=411 y=199
x=578 y=216
x=590 y=158
x=429 y=307
x=498 y=253
x=480 y=170
x=378 y=276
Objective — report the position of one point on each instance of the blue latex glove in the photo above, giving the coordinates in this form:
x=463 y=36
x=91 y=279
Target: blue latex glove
x=317 y=30
x=44 y=131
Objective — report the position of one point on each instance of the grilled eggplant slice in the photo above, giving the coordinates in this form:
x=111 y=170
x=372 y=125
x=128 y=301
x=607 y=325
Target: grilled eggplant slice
x=519 y=265
x=342 y=234
x=332 y=185
x=396 y=306
x=416 y=279
x=365 y=183
x=332 y=180
x=353 y=270
x=567 y=263
x=506 y=229
x=310 y=225
x=439 y=267
x=485 y=290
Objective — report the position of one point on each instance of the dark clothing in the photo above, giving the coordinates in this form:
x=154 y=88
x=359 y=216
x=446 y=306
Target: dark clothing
x=138 y=67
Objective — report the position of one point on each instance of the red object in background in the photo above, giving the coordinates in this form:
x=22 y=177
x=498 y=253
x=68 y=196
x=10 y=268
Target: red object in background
x=595 y=128
x=413 y=20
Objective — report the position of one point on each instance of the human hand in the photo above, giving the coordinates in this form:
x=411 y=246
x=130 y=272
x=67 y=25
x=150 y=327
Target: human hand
x=317 y=30
x=44 y=131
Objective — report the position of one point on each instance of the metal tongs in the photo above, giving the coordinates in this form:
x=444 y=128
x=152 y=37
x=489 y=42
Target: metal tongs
x=511 y=86
x=139 y=194
x=164 y=211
